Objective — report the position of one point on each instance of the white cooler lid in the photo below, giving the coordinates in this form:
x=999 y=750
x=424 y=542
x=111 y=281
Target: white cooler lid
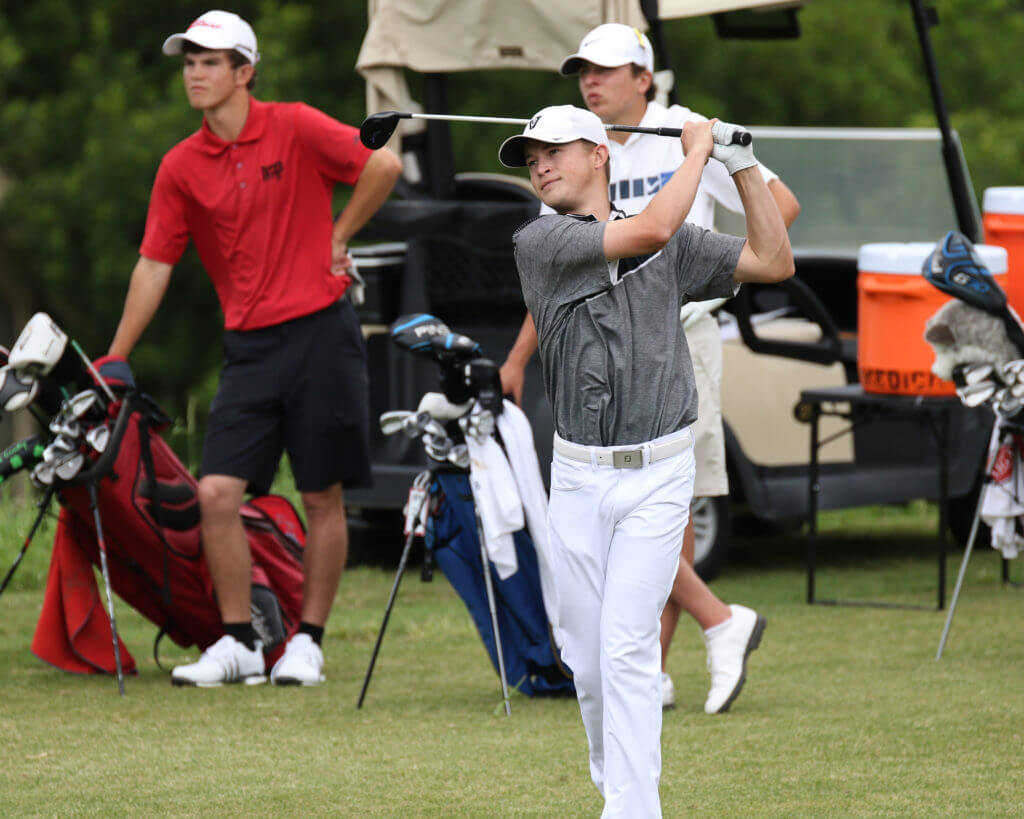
x=906 y=258
x=1003 y=200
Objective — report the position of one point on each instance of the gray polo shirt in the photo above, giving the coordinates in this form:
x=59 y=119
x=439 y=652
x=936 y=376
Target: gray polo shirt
x=616 y=366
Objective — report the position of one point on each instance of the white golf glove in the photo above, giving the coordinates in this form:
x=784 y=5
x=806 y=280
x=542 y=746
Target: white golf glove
x=734 y=157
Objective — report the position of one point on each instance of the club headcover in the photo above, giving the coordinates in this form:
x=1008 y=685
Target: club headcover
x=416 y=332
x=17 y=390
x=956 y=268
x=114 y=370
x=39 y=347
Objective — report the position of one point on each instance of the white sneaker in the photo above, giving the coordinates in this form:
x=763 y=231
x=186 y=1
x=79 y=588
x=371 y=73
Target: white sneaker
x=301 y=664
x=226 y=661
x=728 y=650
x=668 y=692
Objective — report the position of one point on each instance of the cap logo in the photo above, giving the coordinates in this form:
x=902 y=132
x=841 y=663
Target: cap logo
x=639 y=37
x=533 y=122
x=201 y=22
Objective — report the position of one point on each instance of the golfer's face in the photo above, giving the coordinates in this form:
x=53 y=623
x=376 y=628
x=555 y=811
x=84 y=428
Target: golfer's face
x=559 y=173
x=609 y=92
x=209 y=78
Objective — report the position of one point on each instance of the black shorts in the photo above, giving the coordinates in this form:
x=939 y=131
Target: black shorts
x=299 y=386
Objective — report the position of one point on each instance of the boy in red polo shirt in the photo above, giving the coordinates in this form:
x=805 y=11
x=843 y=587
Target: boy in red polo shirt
x=252 y=188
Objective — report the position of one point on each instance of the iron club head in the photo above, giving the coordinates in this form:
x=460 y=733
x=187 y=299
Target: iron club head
x=393 y=421
x=974 y=395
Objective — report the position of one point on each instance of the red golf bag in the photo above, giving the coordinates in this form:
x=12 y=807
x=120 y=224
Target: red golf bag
x=149 y=513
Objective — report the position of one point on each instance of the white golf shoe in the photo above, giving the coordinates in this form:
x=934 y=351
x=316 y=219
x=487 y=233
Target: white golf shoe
x=226 y=661
x=728 y=650
x=668 y=692
x=301 y=664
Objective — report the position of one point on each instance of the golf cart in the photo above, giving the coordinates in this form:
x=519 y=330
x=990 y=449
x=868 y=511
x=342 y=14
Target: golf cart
x=444 y=247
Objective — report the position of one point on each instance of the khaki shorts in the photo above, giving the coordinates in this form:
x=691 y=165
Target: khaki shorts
x=705 y=343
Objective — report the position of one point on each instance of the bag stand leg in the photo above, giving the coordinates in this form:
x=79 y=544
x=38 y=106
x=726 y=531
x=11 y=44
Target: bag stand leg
x=44 y=505
x=963 y=571
x=486 y=566
x=94 y=505
x=413 y=515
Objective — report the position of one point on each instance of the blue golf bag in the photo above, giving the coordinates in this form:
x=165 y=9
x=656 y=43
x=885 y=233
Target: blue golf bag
x=532 y=664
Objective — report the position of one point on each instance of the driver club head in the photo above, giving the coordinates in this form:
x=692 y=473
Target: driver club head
x=377 y=128
x=393 y=421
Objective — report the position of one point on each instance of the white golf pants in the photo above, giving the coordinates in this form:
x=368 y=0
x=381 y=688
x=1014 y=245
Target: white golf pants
x=615 y=539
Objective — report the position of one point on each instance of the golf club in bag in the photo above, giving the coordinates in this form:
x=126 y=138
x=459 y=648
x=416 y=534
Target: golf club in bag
x=956 y=268
x=129 y=506
x=509 y=611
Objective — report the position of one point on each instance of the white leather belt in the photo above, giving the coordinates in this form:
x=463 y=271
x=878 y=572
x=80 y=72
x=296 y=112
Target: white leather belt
x=624 y=457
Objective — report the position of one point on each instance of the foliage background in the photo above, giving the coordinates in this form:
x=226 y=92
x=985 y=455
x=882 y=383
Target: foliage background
x=88 y=105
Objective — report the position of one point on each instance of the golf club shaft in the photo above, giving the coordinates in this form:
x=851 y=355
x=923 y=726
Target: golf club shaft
x=44 y=504
x=391 y=602
x=486 y=565
x=94 y=503
x=378 y=128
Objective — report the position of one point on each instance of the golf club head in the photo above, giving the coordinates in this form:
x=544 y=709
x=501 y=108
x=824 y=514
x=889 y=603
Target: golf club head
x=68 y=427
x=435 y=429
x=39 y=347
x=394 y=421
x=42 y=475
x=956 y=268
x=459 y=456
x=377 y=128
x=437 y=446
x=1017 y=391
x=98 y=438
x=414 y=425
x=69 y=466
x=966 y=374
x=17 y=390
x=439 y=407
x=975 y=395
x=57 y=450
x=1012 y=370
x=86 y=404
x=415 y=332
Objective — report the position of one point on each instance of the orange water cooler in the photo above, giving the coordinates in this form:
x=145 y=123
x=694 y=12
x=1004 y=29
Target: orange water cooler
x=1003 y=220
x=893 y=303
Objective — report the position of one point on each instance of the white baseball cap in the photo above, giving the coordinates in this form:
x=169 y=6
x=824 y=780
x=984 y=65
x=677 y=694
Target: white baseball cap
x=217 y=30
x=611 y=45
x=557 y=124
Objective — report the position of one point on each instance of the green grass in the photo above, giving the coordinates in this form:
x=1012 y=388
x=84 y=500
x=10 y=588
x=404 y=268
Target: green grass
x=846 y=712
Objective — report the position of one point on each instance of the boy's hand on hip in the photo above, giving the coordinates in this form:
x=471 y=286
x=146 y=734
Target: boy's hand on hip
x=341 y=262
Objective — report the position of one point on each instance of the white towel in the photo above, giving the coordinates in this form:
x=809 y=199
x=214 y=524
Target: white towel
x=518 y=437
x=1003 y=503
x=497 y=502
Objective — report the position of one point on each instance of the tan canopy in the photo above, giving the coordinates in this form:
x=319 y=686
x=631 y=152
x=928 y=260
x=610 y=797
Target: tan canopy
x=464 y=35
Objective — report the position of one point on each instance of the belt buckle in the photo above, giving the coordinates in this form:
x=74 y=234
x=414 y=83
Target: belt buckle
x=628 y=459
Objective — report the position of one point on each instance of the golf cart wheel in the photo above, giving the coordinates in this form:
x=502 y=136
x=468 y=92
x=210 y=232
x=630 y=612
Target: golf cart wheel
x=711 y=532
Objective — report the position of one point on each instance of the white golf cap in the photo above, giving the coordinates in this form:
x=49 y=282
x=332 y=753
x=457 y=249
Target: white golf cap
x=557 y=124
x=217 y=30
x=611 y=45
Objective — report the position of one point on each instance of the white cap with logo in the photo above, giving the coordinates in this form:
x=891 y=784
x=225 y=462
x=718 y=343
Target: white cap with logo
x=217 y=30
x=611 y=45
x=556 y=124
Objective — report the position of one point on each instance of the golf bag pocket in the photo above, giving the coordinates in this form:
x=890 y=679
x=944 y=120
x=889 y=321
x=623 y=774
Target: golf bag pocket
x=531 y=660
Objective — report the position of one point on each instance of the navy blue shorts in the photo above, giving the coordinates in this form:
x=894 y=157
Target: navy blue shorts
x=301 y=387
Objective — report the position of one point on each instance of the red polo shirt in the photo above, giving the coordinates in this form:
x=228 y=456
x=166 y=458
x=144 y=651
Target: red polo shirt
x=258 y=210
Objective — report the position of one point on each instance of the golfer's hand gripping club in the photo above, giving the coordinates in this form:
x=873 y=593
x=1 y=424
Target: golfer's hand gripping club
x=735 y=154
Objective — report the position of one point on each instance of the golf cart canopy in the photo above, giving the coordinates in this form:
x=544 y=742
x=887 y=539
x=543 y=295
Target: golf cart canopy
x=440 y=36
